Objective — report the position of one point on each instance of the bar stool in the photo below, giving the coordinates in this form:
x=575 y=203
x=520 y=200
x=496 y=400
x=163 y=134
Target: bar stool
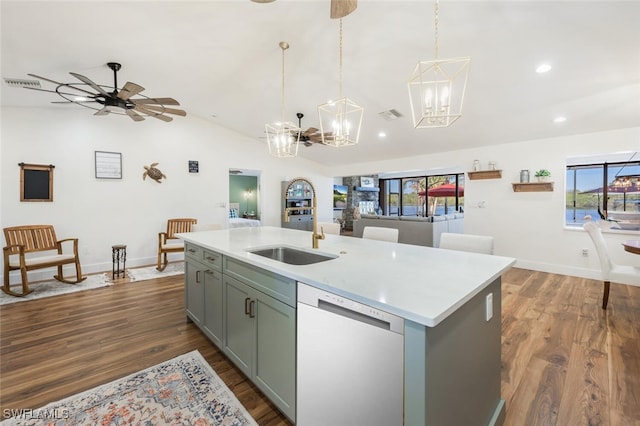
x=118 y=253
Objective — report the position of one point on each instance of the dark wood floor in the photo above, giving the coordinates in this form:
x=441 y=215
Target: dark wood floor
x=565 y=361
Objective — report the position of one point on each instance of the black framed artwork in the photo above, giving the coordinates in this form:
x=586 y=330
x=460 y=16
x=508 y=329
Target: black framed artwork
x=36 y=182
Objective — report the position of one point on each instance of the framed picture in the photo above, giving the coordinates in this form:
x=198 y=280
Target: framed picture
x=366 y=182
x=108 y=165
x=36 y=182
x=193 y=166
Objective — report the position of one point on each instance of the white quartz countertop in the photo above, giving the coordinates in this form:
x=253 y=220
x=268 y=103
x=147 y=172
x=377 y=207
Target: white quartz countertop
x=421 y=284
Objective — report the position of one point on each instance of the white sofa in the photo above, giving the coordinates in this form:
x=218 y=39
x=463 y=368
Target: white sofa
x=422 y=231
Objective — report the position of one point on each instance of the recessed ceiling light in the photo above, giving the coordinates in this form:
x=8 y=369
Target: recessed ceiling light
x=382 y=135
x=560 y=119
x=543 y=68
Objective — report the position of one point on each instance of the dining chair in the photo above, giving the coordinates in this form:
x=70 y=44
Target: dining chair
x=378 y=233
x=623 y=274
x=329 y=227
x=466 y=242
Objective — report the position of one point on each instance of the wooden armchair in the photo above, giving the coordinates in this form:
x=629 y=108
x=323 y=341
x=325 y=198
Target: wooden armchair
x=23 y=242
x=169 y=243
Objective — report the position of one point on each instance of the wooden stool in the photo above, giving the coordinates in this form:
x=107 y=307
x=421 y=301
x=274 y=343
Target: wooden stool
x=118 y=253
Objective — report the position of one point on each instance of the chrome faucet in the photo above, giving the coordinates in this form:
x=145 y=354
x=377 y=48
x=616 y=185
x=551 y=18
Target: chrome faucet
x=315 y=237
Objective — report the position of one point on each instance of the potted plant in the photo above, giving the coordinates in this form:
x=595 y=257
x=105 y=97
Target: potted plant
x=543 y=175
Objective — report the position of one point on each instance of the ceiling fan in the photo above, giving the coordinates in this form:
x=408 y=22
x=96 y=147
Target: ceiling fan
x=113 y=100
x=339 y=8
x=311 y=135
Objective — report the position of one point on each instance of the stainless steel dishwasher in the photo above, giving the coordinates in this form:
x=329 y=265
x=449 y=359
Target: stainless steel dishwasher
x=350 y=362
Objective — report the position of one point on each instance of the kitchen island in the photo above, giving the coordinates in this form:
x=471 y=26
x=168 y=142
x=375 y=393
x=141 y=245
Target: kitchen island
x=450 y=302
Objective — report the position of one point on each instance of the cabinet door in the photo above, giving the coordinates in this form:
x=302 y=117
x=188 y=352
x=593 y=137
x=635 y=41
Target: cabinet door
x=194 y=291
x=239 y=325
x=275 y=366
x=213 y=306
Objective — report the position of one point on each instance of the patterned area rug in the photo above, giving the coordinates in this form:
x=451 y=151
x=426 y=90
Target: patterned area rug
x=147 y=273
x=53 y=288
x=181 y=391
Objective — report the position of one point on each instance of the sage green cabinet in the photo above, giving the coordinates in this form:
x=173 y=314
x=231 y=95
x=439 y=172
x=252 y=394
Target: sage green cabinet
x=249 y=313
x=194 y=291
x=260 y=340
x=203 y=290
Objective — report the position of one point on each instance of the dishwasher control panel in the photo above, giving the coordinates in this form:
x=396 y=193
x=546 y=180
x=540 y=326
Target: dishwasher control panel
x=323 y=299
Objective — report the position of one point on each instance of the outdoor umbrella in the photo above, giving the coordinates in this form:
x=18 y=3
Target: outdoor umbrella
x=446 y=190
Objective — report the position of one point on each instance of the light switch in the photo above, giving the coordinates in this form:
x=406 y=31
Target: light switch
x=489 y=306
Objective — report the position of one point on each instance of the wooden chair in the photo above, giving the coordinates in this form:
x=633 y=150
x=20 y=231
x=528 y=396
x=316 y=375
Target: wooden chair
x=466 y=242
x=24 y=241
x=381 y=234
x=623 y=274
x=169 y=243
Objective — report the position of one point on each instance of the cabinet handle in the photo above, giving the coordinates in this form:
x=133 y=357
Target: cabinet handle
x=191 y=250
x=198 y=277
x=208 y=271
x=211 y=258
x=246 y=305
x=252 y=305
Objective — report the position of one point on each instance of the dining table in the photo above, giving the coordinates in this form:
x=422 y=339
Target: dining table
x=632 y=246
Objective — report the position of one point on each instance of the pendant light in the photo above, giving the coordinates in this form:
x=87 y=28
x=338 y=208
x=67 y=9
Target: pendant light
x=437 y=88
x=283 y=137
x=340 y=120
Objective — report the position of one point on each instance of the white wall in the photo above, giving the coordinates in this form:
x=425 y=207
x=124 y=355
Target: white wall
x=527 y=226
x=131 y=211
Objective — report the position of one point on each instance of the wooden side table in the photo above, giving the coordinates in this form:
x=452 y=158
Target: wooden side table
x=118 y=254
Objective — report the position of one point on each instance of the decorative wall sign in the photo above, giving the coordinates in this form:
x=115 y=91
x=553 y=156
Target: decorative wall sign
x=193 y=166
x=366 y=182
x=36 y=182
x=108 y=165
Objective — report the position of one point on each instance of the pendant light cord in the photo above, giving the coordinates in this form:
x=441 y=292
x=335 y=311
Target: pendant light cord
x=340 y=73
x=283 y=47
x=436 y=9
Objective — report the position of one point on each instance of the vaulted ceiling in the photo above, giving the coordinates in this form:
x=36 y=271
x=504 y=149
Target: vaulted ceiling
x=221 y=61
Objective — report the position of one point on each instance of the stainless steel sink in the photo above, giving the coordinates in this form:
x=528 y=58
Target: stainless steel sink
x=292 y=255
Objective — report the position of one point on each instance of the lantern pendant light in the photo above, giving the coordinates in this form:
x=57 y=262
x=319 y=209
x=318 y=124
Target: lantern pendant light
x=283 y=137
x=437 y=88
x=341 y=120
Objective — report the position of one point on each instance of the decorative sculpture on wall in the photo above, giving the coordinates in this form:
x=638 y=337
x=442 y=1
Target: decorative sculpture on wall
x=153 y=173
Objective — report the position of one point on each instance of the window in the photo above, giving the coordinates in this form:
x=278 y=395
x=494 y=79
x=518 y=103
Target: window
x=423 y=195
x=596 y=189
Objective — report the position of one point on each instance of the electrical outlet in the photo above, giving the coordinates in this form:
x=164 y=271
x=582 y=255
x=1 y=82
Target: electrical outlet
x=585 y=252
x=489 y=307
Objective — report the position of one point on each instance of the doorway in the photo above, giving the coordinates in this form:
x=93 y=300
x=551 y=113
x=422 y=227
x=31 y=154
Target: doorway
x=244 y=191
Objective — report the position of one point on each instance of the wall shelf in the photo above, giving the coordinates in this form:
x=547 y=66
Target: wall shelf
x=533 y=187
x=485 y=174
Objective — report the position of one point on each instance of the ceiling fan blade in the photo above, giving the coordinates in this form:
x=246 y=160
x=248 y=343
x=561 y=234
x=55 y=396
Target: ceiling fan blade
x=59 y=84
x=103 y=111
x=310 y=131
x=163 y=110
x=159 y=101
x=130 y=89
x=134 y=115
x=86 y=80
x=341 y=8
x=154 y=114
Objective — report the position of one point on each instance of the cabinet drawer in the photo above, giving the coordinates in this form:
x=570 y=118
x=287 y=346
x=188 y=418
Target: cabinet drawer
x=212 y=259
x=274 y=285
x=193 y=251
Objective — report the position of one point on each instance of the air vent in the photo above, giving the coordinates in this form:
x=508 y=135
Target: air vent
x=235 y=172
x=390 y=115
x=16 y=82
